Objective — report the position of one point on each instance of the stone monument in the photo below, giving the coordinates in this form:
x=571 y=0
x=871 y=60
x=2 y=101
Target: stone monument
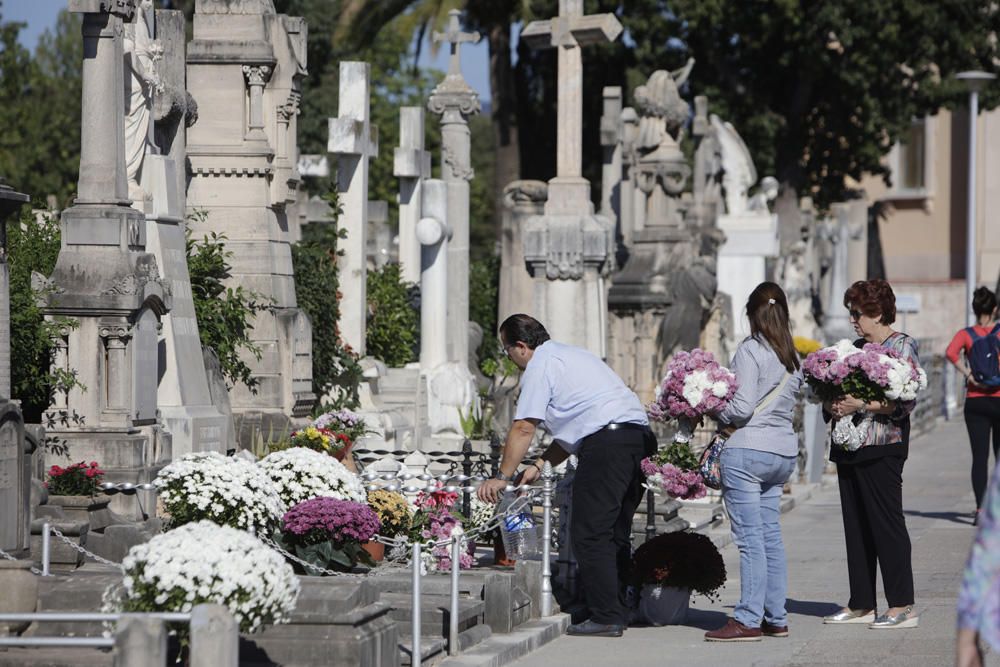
x=750 y=227
x=184 y=400
x=105 y=287
x=569 y=249
x=521 y=201
x=15 y=458
x=245 y=67
x=411 y=165
x=354 y=140
x=661 y=297
x=449 y=386
x=455 y=101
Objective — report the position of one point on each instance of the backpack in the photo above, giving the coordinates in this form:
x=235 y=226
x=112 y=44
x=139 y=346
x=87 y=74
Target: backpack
x=984 y=357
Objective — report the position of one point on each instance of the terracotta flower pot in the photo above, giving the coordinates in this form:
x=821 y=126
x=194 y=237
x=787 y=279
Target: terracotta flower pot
x=20 y=593
x=341 y=453
x=500 y=554
x=375 y=549
x=79 y=508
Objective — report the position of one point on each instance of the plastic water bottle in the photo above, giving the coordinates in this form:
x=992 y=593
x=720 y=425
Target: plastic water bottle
x=518 y=531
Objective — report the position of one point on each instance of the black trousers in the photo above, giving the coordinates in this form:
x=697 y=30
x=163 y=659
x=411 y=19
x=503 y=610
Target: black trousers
x=607 y=489
x=871 y=497
x=982 y=415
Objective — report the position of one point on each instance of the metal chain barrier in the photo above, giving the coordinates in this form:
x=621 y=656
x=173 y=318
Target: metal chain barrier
x=7 y=556
x=85 y=552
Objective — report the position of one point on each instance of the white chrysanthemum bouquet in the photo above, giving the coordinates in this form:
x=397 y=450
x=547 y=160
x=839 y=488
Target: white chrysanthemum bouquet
x=203 y=562
x=300 y=474
x=225 y=490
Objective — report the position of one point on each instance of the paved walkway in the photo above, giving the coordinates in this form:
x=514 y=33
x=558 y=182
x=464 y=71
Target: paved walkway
x=938 y=501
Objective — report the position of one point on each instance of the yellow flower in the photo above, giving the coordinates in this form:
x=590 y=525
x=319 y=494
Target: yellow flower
x=392 y=510
x=805 y=346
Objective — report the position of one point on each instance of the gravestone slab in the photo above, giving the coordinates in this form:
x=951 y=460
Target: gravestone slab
x=15 y=481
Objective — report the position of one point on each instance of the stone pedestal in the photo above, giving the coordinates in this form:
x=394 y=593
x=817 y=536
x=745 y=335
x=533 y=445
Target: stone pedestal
x=521 y=201
x=243 y=171
x=105 y=286
x=751 y=239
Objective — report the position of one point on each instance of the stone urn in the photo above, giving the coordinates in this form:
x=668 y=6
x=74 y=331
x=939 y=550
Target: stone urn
x=80 y=509
x=663 y=605
x=20 y=593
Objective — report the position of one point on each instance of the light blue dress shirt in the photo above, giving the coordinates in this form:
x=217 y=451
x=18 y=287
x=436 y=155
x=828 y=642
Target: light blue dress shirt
x=574 y=393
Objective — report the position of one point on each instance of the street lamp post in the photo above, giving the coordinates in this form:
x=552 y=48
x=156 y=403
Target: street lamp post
x=974 y=81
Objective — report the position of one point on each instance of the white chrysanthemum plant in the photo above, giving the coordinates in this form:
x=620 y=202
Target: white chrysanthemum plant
x=206 y=563
x=299 y=474
x=226 y=490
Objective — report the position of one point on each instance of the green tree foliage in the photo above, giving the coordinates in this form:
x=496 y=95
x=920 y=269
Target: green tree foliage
x=40 y=151
x=393 y=320
x=821 y=91
x=33 y=245
x=484 y=279
x=336 y=373
x=225 y=314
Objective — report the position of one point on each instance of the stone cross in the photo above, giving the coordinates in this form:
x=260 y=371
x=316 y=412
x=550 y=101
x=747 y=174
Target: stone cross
x=455 y=101
x=567 y=33
x=611 y=141
x=354 y=140
x=568 y=249
x=411 y=164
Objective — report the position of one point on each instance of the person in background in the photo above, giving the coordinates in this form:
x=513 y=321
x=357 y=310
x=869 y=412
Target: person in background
x=758 y=459
x=982 y=403
x=871 y=477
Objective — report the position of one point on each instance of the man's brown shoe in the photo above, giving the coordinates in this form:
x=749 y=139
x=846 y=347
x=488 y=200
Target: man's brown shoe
x=769 y=630
x=733 y=631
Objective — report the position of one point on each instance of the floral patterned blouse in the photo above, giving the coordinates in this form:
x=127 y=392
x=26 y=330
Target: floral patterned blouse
x=979 y=599
x=888 y=435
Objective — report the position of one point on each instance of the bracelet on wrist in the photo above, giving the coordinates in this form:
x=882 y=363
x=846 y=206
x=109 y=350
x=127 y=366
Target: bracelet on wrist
x=541 y=467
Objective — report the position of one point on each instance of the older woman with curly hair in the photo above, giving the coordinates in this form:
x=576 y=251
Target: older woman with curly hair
x=871 y=477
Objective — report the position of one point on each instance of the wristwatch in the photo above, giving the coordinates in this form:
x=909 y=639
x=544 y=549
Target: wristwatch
x=499 y=475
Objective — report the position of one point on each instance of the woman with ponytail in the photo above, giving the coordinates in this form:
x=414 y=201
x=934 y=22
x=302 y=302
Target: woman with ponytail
x=758 y=459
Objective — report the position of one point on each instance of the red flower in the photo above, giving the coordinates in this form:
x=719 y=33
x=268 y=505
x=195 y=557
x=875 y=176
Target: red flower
x=93 y=464
x=55 y=471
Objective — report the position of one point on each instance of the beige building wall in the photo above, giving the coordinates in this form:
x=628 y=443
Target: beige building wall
x=923 y=232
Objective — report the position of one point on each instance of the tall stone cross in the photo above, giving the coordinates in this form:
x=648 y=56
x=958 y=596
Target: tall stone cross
x=567 y=32
x=411 y=165
x=455 y=101
x=568 y=249
x=354 y=140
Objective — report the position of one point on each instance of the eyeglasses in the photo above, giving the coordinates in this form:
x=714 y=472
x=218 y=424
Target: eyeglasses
x=506 y=348
x=855 y=314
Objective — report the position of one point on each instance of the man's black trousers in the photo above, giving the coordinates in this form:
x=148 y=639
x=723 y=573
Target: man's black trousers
x=871 y=497
x=607 y=489
x=982 y=415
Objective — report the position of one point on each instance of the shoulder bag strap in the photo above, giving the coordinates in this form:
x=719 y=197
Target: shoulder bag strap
x=773 y=395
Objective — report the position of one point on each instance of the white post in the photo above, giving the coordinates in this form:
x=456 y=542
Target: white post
x=433 y=233
x=415 y=656
x=456 y=550
x=548 y=489
x=970 y=226
x=46 y=547
x=974 y=81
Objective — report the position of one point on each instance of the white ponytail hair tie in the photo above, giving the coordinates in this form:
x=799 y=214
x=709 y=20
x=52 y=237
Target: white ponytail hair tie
x=771 y=301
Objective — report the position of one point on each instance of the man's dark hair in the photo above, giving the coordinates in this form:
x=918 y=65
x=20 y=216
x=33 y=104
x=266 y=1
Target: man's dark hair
x=525 y=329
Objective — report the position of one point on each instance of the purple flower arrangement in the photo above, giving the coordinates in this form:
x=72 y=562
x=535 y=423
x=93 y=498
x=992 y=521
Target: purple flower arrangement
x=674 y=471
x=695 y=385
x=339 y=521
x=869 y=373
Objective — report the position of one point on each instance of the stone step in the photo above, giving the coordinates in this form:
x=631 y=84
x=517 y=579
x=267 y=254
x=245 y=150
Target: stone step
x=432 y=651
x=505 y=649
x=399 y=380
x=56 y=657
x=435 y=613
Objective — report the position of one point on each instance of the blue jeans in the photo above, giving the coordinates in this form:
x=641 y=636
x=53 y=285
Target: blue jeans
x=752 y=481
